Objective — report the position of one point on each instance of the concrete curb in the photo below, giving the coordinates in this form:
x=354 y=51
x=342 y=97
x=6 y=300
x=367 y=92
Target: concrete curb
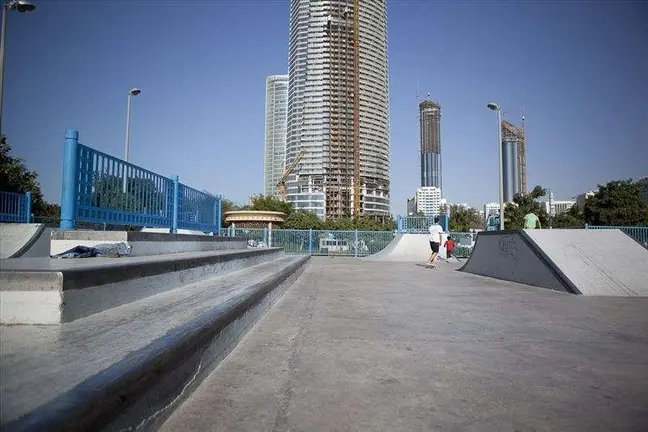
x=140 y=390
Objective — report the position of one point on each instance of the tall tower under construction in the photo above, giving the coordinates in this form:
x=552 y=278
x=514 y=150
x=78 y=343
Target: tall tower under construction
x=515 y=148
x=338 y=107
x=430 y=120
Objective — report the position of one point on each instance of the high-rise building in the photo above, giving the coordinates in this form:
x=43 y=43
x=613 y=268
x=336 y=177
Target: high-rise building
x=430 y=125
x=411 y=206
x=276 y=115
x=428 y=200
x=514 y=151
x=338 y=107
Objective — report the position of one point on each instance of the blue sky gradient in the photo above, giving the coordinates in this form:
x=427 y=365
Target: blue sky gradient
x=577 y=70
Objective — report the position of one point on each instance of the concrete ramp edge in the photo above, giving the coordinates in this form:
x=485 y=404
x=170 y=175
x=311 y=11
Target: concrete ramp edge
x=481 y=252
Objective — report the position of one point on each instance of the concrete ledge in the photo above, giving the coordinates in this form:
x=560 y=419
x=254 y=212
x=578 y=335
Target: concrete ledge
x=144 y=243
x=140 y=390
x=50 y=291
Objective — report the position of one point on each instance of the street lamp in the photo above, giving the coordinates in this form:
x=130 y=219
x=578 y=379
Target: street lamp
x=132 y=92
x=8 y=5
x=495 y=107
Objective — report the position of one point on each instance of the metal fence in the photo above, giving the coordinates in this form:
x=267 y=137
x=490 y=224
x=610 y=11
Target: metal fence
x=15 y=207
x=420 y=224
x=333 y=243
x=102 y=189
x=636 y=232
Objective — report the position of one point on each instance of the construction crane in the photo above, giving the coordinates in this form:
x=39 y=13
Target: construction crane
x=281 y=184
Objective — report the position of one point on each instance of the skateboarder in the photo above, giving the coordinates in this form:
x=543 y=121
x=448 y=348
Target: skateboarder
x=450 y=246
x=435 y=240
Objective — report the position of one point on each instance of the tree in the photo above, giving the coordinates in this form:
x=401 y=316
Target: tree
x=522 y=205
x=463 y=219
x=573 y=218
x=618 y=203
x=15 y=177
x=300 y=219
x=270 y=203
x=142 y=195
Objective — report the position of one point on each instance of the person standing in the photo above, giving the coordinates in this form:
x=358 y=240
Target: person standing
x=531 y=221
x=435 y=240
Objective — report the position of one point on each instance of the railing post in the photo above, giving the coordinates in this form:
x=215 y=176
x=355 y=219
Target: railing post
x=356 y=243
x=310 y=241
x=265 y=236
x=586 y=226
x=176 y=198
x=219 y=214
x=28 y=204
x=70 y=183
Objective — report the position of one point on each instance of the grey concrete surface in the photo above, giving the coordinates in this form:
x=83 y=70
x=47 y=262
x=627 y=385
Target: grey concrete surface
x=89 y=373
x=145 y=243
x=16 y=238
x=587 y=262
x=375 y=346
x=52 y=291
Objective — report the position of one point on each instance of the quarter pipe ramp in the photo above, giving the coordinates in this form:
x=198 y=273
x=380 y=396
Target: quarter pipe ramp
x=587 y=262
x=408 y=247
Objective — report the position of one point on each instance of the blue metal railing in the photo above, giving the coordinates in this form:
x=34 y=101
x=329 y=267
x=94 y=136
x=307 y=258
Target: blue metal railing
x=100 y=188
x=636 y=232
x=419 y=224
x=15 y=207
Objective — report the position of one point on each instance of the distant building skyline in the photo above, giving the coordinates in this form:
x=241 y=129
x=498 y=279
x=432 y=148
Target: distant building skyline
x=430 y=142
x=276 y=115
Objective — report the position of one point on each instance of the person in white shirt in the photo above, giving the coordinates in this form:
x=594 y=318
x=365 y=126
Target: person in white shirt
x=435 y=240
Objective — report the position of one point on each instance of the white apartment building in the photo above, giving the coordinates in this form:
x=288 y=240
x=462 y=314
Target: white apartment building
x=559 y=206
x=428 y=200
x=276 y=116
x=491 y=209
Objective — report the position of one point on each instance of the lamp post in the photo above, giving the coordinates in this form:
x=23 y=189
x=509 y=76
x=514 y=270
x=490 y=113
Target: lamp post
x=495 y=107
x=132 y=92
x=7 y=6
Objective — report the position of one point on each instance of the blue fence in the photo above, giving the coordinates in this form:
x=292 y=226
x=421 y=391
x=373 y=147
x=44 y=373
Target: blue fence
x=419 y=224
x=99 y=188
x=15 y=207
x=638 y=233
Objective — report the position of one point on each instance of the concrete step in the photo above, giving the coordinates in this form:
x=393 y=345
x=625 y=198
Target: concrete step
x=143 y=242
x=53 y=291
x=129 y=366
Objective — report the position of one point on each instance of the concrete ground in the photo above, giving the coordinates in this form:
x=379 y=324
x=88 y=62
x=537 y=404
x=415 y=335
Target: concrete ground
x=376 y=346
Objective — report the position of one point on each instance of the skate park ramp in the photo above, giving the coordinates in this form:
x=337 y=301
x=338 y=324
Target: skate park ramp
x=408 y=247
x=24 y=240
x=579 y=261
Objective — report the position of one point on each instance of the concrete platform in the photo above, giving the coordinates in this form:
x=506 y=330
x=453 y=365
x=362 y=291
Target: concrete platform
x=587 y=262
x=52 y=291
x=144 y=243
x=128 y=366
x=376 y=346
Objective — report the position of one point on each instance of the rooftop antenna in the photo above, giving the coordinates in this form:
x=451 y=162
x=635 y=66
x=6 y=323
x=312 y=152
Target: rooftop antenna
x=522 y=115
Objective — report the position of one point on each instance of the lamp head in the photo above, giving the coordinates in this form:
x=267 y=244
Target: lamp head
x=493 y=106
x=134 y=91
x=22 y=6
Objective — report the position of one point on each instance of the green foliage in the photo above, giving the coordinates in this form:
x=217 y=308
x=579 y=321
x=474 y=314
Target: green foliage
x=15 y=177
x=523 y=204
x=618 y=203
x=300 y=219
x=463 y=220
x=573 y=218
x=142 y=195
x=270 y=203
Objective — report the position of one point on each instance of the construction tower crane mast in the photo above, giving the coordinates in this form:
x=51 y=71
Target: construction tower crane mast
x=281 y=184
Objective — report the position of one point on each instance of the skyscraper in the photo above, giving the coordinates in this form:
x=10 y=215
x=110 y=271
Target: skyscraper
x=430 y=120
x=338 y=107
x=276 y=114
x=513 y=140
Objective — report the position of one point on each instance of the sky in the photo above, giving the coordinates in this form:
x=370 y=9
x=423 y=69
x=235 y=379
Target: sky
x=577 y=70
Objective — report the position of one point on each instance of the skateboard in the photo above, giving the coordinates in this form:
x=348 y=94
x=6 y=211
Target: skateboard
x=427 y=265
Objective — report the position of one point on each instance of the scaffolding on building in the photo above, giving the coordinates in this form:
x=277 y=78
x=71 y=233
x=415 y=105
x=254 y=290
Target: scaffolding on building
x=512 y=133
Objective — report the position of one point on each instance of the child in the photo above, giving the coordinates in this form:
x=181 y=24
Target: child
x=449 y=245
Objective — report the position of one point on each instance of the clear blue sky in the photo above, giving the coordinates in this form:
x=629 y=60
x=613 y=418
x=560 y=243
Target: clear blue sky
x=578 y=70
